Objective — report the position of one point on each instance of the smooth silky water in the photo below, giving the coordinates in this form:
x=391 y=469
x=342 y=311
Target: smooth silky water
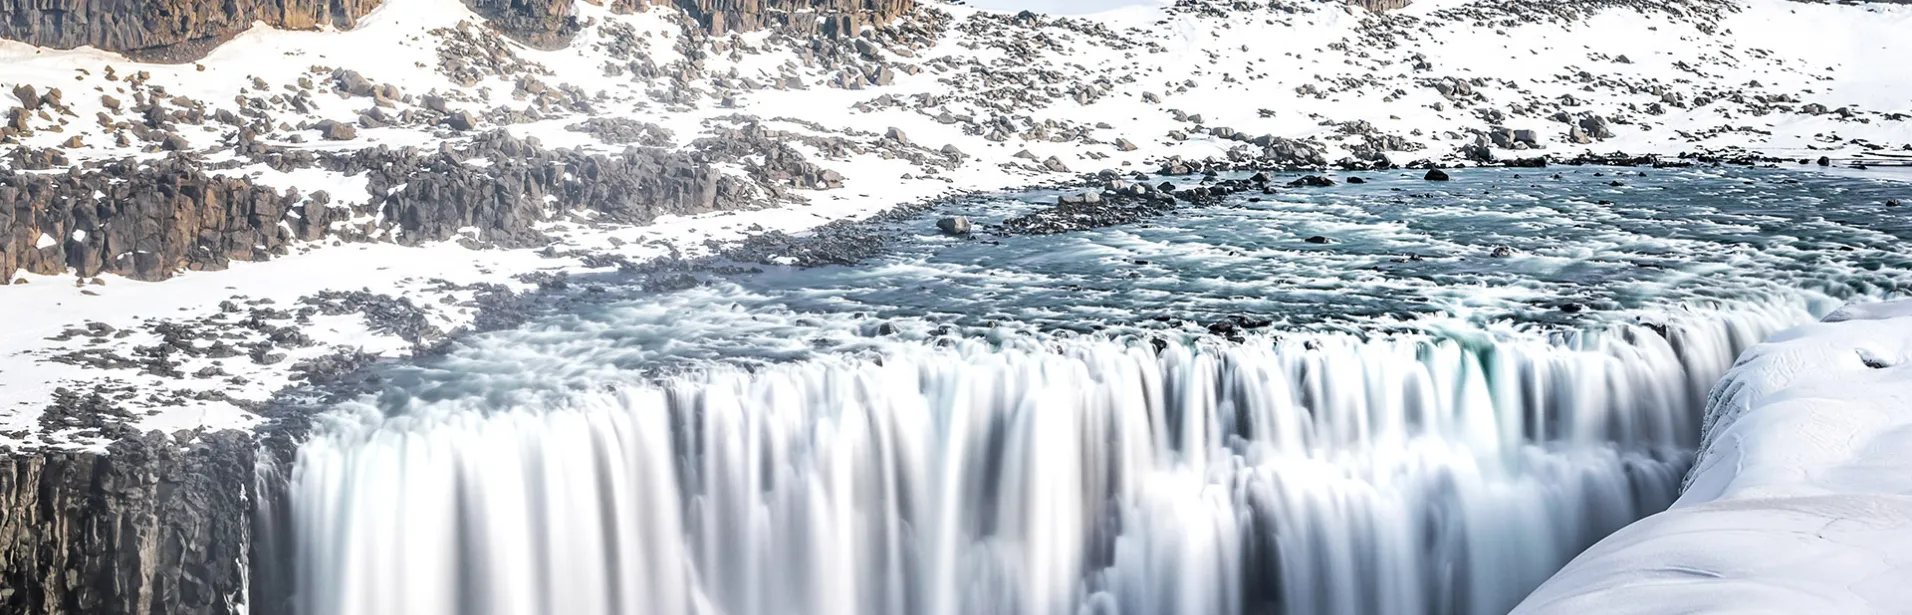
x=1041 y=425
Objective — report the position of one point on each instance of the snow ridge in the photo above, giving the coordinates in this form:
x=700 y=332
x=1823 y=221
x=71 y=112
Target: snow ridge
x=1799 y=501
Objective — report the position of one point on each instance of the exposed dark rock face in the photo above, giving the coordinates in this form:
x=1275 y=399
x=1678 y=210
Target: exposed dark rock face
x=143 y=221
x=546 y=24
x=832 y=18
x=149 y=220
x=1380 y=5
x=164 y=30
x=185 y=30
x=151 y=526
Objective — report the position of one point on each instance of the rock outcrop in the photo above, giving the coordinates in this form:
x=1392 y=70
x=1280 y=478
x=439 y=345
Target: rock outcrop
x=831 y=18
x=1380 y=5
x=153 y=525
x=150 y=219
x=164 y=30
x=185 y=30
x=545 y=24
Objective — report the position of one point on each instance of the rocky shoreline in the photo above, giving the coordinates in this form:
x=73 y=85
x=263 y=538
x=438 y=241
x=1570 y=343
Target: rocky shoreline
x=197 y=509
x=115 y=520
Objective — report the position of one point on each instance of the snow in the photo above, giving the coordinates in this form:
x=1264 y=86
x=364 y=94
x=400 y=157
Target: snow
x=1801 y=501
x=1062 y=7
x=1239 y=67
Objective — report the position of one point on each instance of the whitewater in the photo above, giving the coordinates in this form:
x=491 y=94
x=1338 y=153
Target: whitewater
x=900 y=436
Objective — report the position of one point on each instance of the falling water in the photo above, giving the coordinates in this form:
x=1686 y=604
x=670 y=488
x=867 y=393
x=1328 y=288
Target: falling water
x=1310 y=474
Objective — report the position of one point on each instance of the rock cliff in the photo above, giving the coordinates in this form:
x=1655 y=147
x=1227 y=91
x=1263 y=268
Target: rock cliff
x=148 y=220
x=1380 y=5
x=150 y=526
x=797 y=17
x=184 y=30
x=163 y=30
x=545 y=24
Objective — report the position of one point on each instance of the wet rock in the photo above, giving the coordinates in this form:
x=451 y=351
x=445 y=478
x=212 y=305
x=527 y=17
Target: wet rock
x=1436 y=175
x=1311 y=181
x=1317 y=239
x=954 y=225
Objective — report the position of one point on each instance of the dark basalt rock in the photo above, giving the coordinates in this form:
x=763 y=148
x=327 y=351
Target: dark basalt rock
x=1436 y=175
x=153 y=525
x=803 y=18
x=545 y=24
x=956 y=225
x=164 y=30
x=150 y=219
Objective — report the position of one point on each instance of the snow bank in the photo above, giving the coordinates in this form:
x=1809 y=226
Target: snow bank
x=1801 y=500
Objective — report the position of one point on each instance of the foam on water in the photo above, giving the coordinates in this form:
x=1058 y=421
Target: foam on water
x=928 y=433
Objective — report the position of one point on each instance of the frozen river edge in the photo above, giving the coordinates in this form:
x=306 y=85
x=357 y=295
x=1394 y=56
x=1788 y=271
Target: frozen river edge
x=1799 y=500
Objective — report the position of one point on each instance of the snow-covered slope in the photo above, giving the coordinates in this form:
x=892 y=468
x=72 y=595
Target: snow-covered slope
x=952 y=98
x=1801 y=501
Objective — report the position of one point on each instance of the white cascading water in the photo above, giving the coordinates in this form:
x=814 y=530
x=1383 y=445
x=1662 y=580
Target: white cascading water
x=1310 y=474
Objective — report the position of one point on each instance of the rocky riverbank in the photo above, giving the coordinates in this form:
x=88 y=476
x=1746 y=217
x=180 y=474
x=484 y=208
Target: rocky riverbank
x=403 y=177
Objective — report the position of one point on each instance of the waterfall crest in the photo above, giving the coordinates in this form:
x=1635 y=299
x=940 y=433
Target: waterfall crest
x=1308 y=474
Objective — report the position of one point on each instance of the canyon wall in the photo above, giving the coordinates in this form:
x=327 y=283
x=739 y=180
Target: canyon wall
x=163 y=30
x=151 y=525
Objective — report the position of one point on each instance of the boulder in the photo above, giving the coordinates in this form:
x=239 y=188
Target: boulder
x=29 y=97
x=954 y=225
x=1596 y=127
x=461 y=121
x=336 y=131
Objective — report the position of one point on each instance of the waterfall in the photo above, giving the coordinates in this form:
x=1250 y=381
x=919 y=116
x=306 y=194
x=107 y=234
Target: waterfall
x=1312 y=474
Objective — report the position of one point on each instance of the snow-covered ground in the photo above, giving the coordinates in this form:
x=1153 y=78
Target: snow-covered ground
x=1162 y=78
x=1801 y=501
